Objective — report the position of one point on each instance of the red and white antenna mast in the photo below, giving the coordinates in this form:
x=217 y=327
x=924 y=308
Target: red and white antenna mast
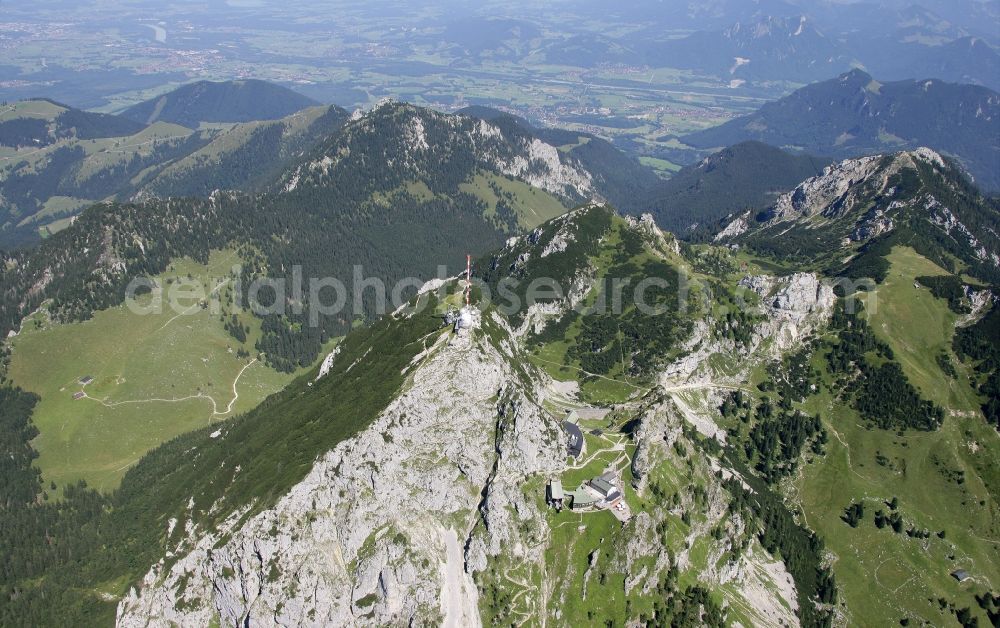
x=468 y=278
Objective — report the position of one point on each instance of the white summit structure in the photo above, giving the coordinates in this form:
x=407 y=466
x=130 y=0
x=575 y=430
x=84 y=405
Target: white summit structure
x=468 y=317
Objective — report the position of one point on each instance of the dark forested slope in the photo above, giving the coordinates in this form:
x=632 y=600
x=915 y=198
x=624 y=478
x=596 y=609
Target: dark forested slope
x=227 y=101
x=748 y=175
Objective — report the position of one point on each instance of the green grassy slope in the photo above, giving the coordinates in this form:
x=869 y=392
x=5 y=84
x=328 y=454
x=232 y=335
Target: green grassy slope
x=947 y=479
x=101 y=544
x=155 y=376
x=246 y=156
x=612 y=357
x=87 y=169
x=532 y=206
x=164 y=158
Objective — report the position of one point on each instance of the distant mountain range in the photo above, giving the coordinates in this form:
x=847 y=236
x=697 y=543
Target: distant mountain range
x=60 y=159
x=782 y=42
x=270 y=362
x=963 y=60
x=420 y=475
x=228 y=101
x=383 y=188
x=930 y=21
x=236 y=522
x=854 y=114
x=247 y=156
x=81 y=158
x=767 y=48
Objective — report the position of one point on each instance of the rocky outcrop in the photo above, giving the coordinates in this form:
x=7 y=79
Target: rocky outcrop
x=369 y=537
x=658 y=429
x=792 y=306
x=828 y=193
x=425 y=134
x=943 y=218
x=979 y=303
x=665 y=242
x=541 y=166
x=849 y=185
x=754 y=581
x=873 y=224
x=736 y=227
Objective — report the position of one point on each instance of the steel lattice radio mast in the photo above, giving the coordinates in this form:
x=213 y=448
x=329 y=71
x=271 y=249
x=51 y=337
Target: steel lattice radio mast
x=468 y=278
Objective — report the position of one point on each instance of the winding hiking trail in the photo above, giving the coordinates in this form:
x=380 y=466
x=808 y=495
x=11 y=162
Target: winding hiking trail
x=847 y=452
x=699 y=385
x=666 y=388
x=200 y=395
x=577 y=368
x=619 y=446
x=187 y=311
x=236 y=395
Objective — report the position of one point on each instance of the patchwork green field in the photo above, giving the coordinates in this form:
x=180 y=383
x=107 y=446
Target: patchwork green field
x=155 y=376
x=663 y=166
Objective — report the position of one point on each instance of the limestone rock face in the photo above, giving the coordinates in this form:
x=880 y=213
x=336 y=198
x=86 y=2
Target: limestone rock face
x=844 y=186
x=439 y=498
x=943 y=218
x=418 y=138
x=858 y=200
x=540 y=165
x=646 y=225
x=828 y=193
x=373 y=534
x=792 y=306
x=872 y=225
x=659 y=429
x=752 y=576
x=802 y=294
x=737 y=226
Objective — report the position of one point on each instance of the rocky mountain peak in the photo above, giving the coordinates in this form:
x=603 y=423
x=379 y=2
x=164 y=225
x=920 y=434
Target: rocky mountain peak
x=856 y=201
x=403 y=141
x=440 y=502
x=379 y=531
x=852 y=183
